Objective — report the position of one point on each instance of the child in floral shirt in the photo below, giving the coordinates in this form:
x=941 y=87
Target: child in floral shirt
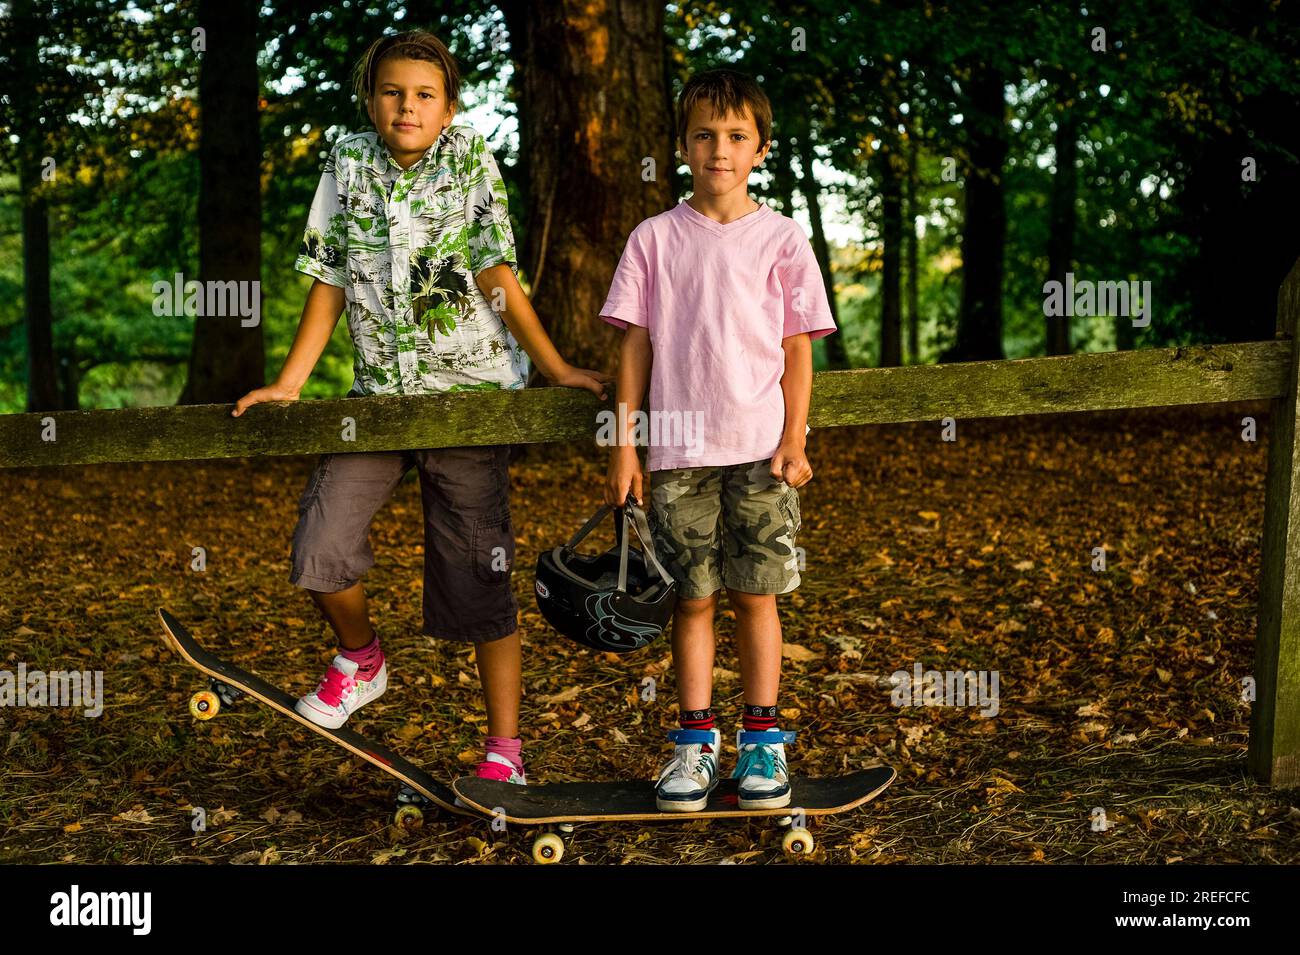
x=409 y=231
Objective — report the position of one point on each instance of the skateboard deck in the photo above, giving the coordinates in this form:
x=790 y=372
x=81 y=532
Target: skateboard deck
x=207 y=703
x=562 y=804
x=634 y=801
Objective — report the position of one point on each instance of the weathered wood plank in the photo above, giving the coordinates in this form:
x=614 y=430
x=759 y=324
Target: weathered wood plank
x=1274 y=751
x=1199 y=374
x=1157 y=377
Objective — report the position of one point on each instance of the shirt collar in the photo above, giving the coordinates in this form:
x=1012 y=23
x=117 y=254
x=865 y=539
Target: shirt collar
x=384 y=164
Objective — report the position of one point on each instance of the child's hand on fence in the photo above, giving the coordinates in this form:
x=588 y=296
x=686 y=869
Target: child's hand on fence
x=272 y=392
x=790 y=464
x=624 y=476
x=593 y=381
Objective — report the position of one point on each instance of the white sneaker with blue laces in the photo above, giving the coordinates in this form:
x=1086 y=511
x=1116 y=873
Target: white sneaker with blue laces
x=760 y=766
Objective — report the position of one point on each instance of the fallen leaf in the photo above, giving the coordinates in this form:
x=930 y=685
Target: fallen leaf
x=221 y=815
x=138 y=814
x=565 y=697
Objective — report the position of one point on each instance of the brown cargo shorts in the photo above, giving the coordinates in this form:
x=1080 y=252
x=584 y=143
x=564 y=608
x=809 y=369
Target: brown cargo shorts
x=469 y=541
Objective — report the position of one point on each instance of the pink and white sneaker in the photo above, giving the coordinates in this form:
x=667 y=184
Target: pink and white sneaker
x=340 y=693
x=498 y=767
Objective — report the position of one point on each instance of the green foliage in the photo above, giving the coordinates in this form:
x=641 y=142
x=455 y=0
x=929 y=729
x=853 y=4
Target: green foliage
x=1177 y=81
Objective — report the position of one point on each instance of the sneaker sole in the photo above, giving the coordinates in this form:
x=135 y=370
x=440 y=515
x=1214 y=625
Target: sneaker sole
x=770 y=802
x=675 y=805
x=683 y=805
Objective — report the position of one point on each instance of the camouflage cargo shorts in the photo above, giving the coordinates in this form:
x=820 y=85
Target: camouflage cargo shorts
x=730 y=526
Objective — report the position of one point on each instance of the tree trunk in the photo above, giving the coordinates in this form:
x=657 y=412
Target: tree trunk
x=38 y=318
x=592 y=108
x=783 y=176
x=674 y=179
x=836 y=354
x=910 y=244
x=891 y=231
x=1061 y=227
x=979 y=325
x=228 y=359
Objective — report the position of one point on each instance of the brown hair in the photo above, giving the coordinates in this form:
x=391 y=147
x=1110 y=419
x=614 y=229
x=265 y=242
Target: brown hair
x=411 y=45
x=727 y=91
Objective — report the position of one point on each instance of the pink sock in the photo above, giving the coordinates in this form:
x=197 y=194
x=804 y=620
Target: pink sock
x=368 y=659
x=511 y=749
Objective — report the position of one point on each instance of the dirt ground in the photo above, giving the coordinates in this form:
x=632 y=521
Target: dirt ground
x=1120 y=690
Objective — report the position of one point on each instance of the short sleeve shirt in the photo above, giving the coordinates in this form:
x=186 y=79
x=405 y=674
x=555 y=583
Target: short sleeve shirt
x=717 y=300
x=405 y=245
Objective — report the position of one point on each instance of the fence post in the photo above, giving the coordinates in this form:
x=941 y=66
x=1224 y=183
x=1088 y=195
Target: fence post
x=1274 y=752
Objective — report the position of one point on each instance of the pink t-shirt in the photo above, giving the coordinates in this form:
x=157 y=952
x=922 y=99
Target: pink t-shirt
x=717 y=301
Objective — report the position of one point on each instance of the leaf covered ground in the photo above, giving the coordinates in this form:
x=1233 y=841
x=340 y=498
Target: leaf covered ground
x=1120 y=690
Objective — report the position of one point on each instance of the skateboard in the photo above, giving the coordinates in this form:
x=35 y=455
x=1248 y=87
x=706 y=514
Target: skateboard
x=227 y=682
x=557 y=806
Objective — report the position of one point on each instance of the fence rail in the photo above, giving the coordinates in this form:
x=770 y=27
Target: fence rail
x=1198 y=374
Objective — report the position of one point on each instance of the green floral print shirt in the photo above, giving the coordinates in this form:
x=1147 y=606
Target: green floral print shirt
x=405 y=245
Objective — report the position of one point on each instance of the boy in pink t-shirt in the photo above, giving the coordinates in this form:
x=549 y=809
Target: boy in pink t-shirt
x=720 y=299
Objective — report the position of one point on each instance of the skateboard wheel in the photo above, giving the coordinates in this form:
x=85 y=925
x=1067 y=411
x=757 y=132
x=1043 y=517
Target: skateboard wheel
x=408 y=817
x=204 y=705
x=797 y=842
x=548 y=848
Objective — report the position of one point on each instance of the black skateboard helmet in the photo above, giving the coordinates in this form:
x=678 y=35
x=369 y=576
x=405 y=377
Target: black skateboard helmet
x=617 y=601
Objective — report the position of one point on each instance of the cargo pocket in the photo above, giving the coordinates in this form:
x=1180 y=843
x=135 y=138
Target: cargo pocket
x=789 y=505
x=312 y=490
x=492 y=548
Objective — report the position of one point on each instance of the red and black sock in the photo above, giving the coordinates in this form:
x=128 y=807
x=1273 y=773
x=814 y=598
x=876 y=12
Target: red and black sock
x=697 y=720
x=759 y=718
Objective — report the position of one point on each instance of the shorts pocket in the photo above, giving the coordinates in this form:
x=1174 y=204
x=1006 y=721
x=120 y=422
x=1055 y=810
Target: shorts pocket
x=789 y=505
x=312 y=490
x=492 y=548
